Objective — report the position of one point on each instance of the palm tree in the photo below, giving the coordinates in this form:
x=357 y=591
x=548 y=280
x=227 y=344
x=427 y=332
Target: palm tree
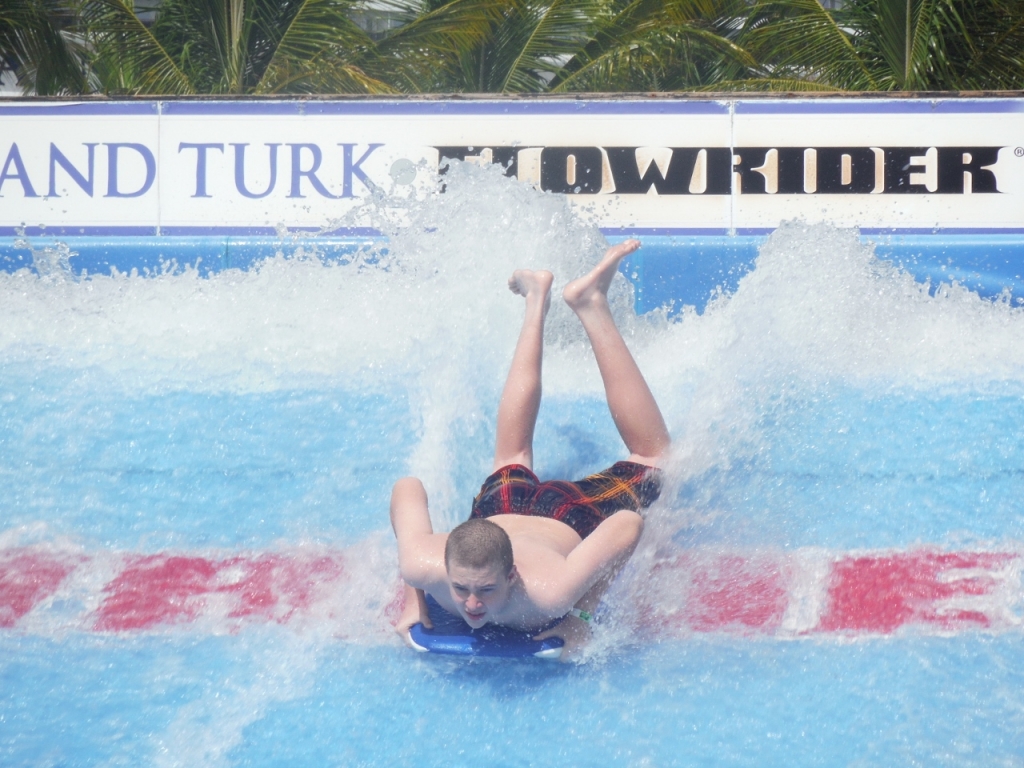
x=991 y=56
x=275 y=46
x=885 y=45
x=519 y=49
x=426 y=52
x=660 y=45
x=35 y=41
x=244 y=47
x=229 y=47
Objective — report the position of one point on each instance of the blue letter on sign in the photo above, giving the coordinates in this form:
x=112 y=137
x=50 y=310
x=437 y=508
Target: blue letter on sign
x=240 y=171
x=353 y=169
x=14 y=156
x=200 y=164
x=298 y=173
x=57 y=158
x=147 y=156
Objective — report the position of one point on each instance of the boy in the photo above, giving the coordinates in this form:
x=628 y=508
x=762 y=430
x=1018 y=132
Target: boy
x=534 y=552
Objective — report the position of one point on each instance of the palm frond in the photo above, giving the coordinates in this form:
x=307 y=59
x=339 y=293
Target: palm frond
x=771 y=85
x=319 y=52
x=49 y=59
x=800 y=40
x=991 y=56
x=215 y=42
x=659 y=45
x=430 y=50
x=320 y=77
x=528 y=50
x=906 y=40
x=127 y=57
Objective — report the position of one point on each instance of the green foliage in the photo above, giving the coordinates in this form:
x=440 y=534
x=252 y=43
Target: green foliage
x=991 y=54
x=425 y=53
x=229 y=47
x=516 y=45
x=659 y=45
x=49 y=59
x=246 y=47
x=887 y=45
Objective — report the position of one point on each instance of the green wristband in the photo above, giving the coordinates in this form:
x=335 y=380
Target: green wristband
x=582 y=615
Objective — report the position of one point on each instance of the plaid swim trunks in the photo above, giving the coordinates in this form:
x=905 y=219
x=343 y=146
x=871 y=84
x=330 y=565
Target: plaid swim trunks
x=582 y=505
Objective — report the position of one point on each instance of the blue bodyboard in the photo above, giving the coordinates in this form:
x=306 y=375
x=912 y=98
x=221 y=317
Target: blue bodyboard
x=451 y=635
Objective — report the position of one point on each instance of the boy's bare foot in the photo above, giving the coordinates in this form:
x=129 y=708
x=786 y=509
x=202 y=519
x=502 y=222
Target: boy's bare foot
x=532 y=285
x=593 y=286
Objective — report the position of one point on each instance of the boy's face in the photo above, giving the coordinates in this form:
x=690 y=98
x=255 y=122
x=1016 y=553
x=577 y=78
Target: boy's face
x=479 y=593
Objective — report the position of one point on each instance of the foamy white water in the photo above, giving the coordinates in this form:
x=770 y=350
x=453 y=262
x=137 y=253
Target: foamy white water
x=818 y=306
x=835 y=423
x=429 y=313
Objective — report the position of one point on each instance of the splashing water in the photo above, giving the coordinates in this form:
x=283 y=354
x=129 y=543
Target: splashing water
x=829 y=404
x=423 y=326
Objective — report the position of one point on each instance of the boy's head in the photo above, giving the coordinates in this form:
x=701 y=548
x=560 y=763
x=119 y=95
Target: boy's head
x=479 y=543
x=478 y=558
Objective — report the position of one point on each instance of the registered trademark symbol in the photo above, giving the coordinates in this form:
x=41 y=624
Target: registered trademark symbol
x=1019 y=151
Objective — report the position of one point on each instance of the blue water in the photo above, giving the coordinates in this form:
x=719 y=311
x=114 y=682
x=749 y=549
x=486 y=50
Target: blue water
x=187 y=470
x=849 y=470
x=193 y=470
x=829 y=401
x=208 y=701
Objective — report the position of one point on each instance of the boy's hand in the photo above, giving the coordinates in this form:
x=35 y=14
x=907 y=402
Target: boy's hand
x=575 y=633
x=414 y=612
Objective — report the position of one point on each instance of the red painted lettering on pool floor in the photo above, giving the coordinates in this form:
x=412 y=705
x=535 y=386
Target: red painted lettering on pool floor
x=158 y=589
x=721 y=592
x=693 y=591
x=737 y=593
x=881 y=593
x=155 y=590
x=275 y=587
x=27 y=577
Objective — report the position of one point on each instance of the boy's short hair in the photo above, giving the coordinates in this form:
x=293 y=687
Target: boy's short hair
x=479 y=543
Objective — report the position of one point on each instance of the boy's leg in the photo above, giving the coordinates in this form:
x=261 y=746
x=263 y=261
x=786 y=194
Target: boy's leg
x=520 y=400
x=636 y=414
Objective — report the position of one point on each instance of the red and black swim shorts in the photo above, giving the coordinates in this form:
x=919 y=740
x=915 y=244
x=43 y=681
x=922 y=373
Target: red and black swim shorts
x=582 y=505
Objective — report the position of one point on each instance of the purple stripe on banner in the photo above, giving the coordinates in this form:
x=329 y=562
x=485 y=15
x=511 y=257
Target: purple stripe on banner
x=1008 y=105
x=273 y=233
x=31 y=109
x=386 y=108
x=75 y=231
x=881 y=106
x=266 y=232
x=936 y=231
x=232 y=108
x=942 y=231
x=261 y=232
x=664 y=231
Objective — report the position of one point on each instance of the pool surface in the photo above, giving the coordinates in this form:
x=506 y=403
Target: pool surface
x=195 y=561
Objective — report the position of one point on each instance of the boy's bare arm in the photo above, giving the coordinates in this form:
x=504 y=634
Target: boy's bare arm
x=589 y=569
x=418 y=546
x=420 y=550
x=592 y=563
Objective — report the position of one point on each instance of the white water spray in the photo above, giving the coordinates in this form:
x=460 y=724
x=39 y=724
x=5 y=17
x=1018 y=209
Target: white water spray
x=429 y=313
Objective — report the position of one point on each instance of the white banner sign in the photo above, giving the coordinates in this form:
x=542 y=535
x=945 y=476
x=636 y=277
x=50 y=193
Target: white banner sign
x=659 y=165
